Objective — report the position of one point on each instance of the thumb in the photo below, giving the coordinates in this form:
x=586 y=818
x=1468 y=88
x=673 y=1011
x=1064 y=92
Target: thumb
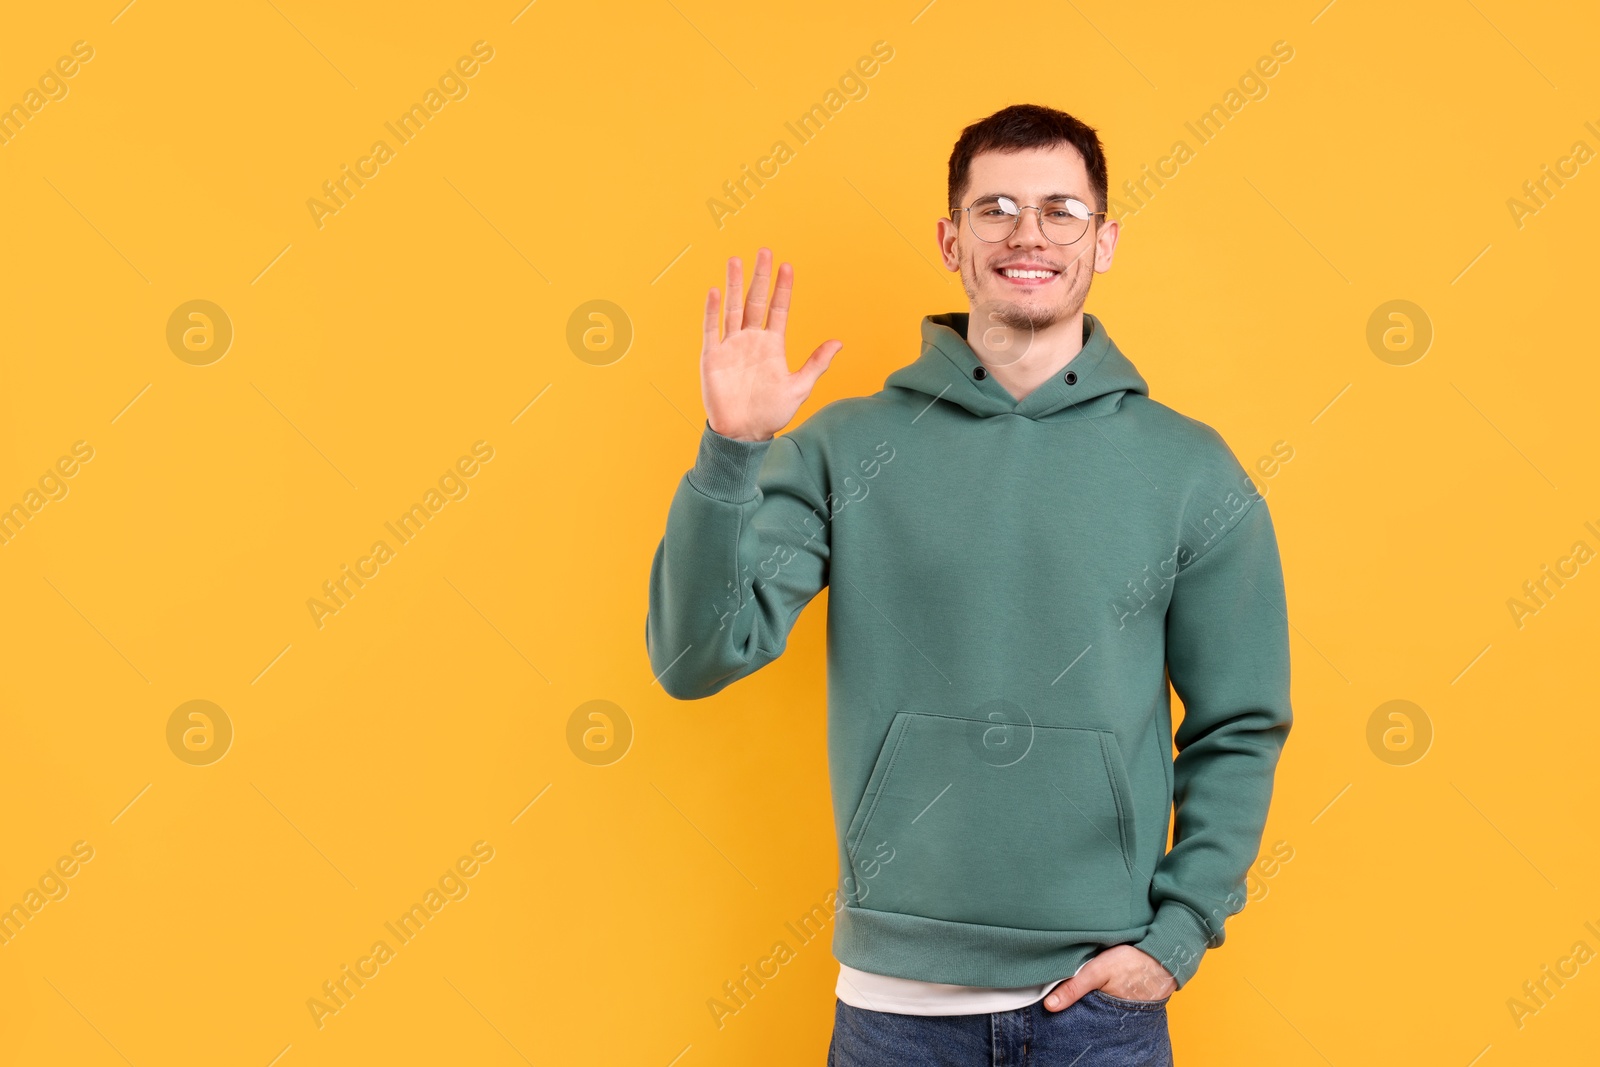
x=1066 y=993
x=818 y=362
x=1069 y=990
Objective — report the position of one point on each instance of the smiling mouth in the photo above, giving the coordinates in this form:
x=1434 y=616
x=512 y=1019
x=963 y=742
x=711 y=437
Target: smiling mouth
x=1027 y=276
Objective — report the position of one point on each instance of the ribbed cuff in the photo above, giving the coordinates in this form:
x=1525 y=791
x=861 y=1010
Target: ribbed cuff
x=726 y=468
x=1177 y=939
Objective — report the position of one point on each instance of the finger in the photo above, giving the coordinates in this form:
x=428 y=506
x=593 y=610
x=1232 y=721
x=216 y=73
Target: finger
x=1058 y=997
x=778 y=317
x=713 y=314
x=817 y=363
x=756 y=307
x=735 y=295
x=1068 y=991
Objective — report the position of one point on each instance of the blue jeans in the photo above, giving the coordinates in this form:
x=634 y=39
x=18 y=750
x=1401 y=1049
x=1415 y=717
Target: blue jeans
x=1097 y=1030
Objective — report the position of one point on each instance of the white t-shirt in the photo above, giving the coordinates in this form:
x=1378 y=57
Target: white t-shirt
x=907 y=996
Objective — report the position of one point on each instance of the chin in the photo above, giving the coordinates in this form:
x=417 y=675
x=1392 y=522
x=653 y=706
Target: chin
x=1018 y=310
x=1028 y=315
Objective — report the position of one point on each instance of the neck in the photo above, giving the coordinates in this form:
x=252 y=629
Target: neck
x=1049 y=351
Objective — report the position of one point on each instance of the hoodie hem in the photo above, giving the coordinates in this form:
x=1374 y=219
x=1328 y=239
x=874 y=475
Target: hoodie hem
x=967 y=954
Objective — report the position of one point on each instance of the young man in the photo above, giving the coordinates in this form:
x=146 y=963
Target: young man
x=1023 y=548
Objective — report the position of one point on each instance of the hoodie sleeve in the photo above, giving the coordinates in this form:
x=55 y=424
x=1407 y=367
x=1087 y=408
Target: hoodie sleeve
x=1228 y=660
x=746 y=548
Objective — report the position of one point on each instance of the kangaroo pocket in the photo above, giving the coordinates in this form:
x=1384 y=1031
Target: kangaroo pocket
x=1031 y=833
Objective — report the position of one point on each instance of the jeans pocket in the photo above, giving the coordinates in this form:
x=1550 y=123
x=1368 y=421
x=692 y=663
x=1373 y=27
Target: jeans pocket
x=1133 y=1005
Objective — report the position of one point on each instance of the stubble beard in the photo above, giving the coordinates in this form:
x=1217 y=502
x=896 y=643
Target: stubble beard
x=1031 y=318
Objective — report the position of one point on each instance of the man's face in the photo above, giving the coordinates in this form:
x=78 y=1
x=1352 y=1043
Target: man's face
x=1029 y=178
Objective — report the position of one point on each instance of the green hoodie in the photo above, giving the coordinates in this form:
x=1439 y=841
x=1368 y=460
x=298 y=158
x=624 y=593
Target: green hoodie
x=1013 y=586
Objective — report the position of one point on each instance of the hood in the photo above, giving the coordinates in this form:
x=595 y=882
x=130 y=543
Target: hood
x=945 y=371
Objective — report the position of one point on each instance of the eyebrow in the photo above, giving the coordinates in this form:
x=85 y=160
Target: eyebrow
x=1051 y=196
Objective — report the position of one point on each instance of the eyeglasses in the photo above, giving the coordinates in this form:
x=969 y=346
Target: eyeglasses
x=995 y=218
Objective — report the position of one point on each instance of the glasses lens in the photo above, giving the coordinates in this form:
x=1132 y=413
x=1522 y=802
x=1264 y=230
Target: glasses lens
x=1062 y=219
x=993 y=217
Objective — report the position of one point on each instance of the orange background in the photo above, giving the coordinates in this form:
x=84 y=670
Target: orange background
x=434 y=710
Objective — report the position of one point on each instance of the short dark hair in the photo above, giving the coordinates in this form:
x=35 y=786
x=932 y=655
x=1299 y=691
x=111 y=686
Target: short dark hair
x=1023 y=126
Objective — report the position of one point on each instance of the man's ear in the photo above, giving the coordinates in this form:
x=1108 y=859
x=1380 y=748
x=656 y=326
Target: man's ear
x=946 y=232
x=1106 y=245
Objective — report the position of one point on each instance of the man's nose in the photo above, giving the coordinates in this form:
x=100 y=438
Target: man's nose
x=1029 y=231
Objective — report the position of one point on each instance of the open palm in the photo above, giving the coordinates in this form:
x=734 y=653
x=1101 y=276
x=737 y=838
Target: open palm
x=749 y=392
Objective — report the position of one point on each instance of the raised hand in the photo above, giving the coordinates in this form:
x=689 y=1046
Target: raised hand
x=749 y=392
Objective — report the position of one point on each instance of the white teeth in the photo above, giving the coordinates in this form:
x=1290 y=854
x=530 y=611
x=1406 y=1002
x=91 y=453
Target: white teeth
x=1011 y=273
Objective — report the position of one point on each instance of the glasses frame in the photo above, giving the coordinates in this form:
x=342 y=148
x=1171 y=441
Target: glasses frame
x=1017 y=220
